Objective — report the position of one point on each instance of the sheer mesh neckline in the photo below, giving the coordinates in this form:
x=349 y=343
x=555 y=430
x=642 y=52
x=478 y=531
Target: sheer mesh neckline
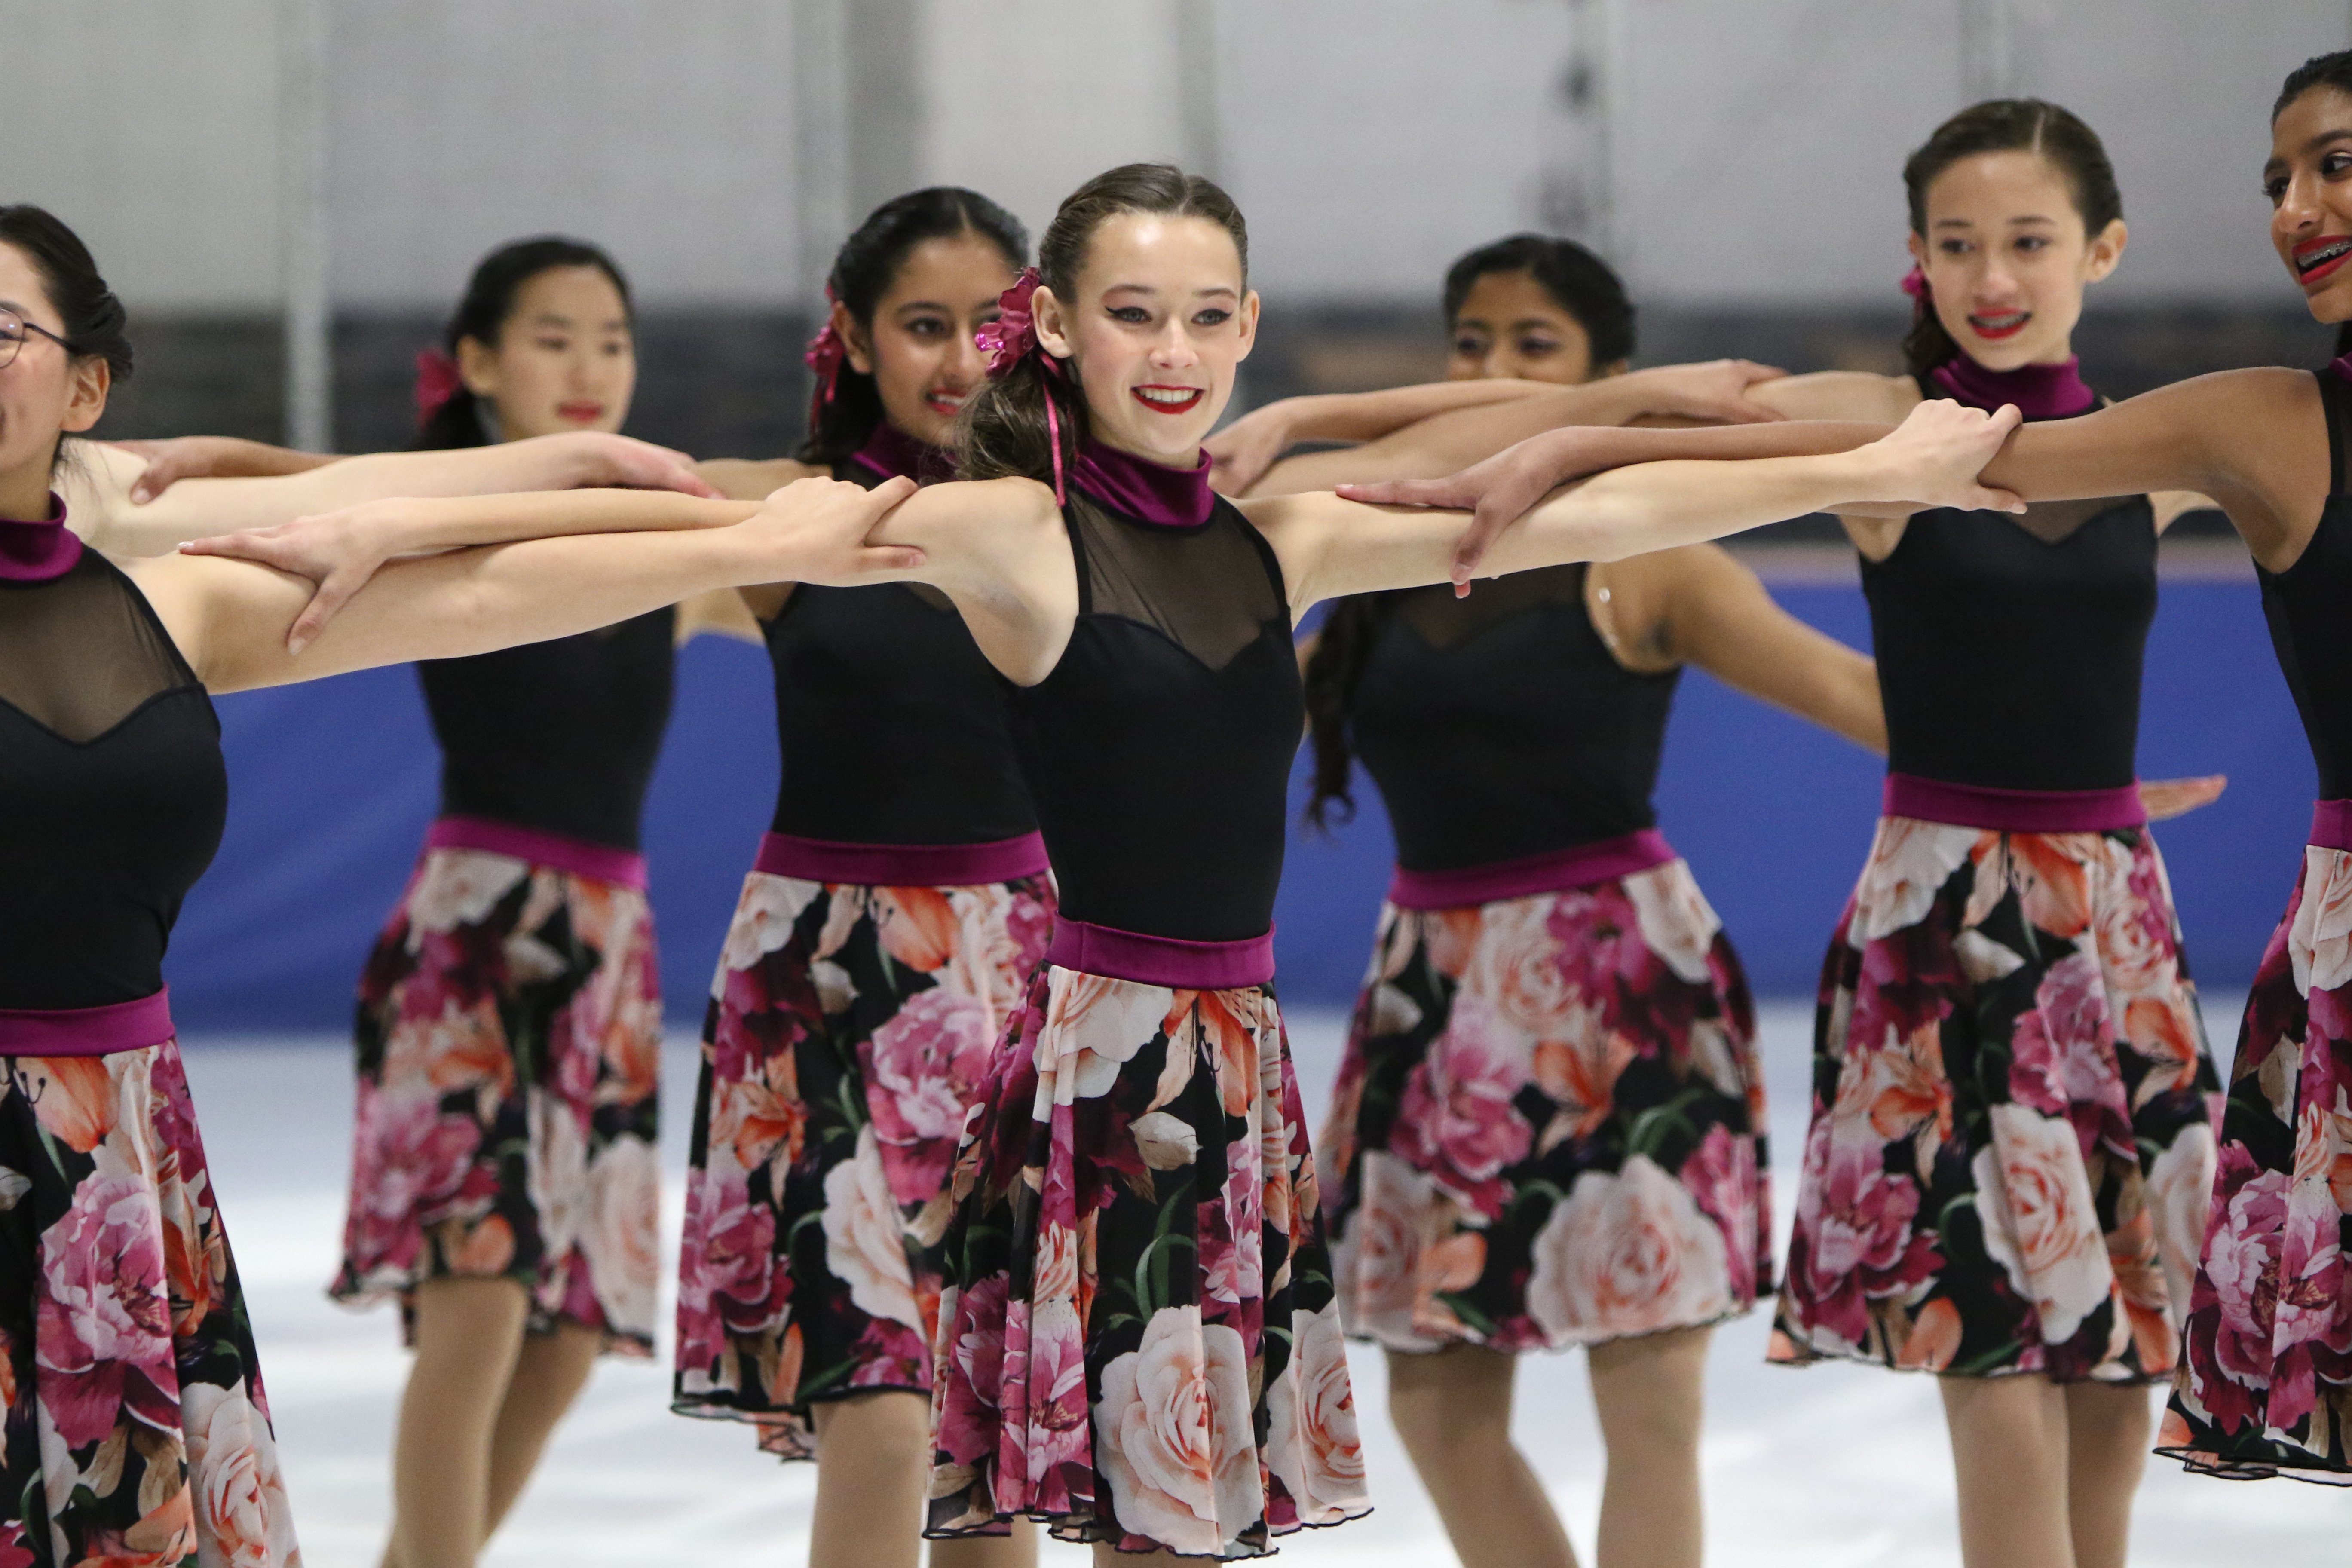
x=1213 y=590
x=83 y=653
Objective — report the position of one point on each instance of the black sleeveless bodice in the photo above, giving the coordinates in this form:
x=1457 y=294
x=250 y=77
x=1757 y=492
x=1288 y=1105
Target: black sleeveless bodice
x=559 y=736
x=1158 y=749
x=891 y=722
x=2309 y=607
x=2009 y=647
x=890 y=719
x=112 y=792
x=1501 y=726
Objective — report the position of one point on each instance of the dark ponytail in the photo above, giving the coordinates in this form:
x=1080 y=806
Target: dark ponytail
x=863 y=270
x=2002 y=125
x=1579 y=282
x=1343 y=647
x=2332 y=72
x=1006 y=431
x=482 y=316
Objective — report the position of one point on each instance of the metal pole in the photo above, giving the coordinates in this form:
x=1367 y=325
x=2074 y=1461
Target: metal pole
x=1200 y=78
x=1581 y=194
x=302 y=223
x=821 y=129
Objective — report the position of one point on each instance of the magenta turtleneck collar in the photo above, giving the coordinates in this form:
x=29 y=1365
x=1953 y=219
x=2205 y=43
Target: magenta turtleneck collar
x=1144 y=490
x=2040 y=391
x=37 y=551
x=892 y=453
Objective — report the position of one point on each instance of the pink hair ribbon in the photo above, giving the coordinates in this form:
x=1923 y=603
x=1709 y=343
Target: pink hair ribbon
x=826 y=353
x=1009 y=340
x=438 y=382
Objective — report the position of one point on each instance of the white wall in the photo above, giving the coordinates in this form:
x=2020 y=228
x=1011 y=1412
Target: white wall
x=661 y=128
x=1371 y=140
x=151 y=127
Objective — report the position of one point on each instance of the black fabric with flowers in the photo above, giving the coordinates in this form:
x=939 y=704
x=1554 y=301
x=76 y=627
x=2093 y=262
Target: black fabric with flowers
x=1158 y=748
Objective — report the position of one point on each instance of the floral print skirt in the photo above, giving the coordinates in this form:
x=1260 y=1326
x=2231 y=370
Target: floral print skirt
x=1139 y=1342
x=2265 y=1384
x=848 y=1028
x=510 y=1064
x=137 y=1430
x=1548 y=1129
x=2011 y=1135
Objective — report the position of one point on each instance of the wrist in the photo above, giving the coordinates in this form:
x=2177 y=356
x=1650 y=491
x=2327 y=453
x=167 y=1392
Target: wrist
x=1863 y=476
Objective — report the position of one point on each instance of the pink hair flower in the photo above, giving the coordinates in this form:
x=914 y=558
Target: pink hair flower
x=438 y=382
x=1914 y=282
x=825 y=355
x=1009 y=338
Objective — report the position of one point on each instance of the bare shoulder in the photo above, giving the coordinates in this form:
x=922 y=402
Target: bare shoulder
x=96 y=480
x=752 y=479
x=1688 y=580
x=1840 y=395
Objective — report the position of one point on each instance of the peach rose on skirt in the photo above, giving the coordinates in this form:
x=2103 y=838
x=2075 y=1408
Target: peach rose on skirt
x=240 y=1497
x=1677 y=922
x=1311 y=1443
x=1909 y=863
x=1627 y=1253
x=1376 y=1260
x=1174 y=1434
x=865 y=1244
x=1093 y=1026
x=2179 y=1194
x=764 y=918
x=1515 y=967
x=622 y=1238
x=2034 y=1199
x=459 y=887
x=2319 y=940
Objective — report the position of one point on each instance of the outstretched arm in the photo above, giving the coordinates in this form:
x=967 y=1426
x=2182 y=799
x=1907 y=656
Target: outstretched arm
x=178 y=458
x=1716 y=390
x=1240 y=454
x=230 y=618
x=99 y=492
x=2254 y=440
x=1329 y=545
x=341 y=551
x=1715 y=613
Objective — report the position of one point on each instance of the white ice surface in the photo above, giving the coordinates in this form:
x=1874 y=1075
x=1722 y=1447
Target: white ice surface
x=1823 y=1468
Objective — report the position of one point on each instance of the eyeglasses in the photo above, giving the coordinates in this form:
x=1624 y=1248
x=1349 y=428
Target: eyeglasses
x=13 y=328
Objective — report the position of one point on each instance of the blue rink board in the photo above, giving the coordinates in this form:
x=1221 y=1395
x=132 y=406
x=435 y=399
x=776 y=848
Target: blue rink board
x=331 y=786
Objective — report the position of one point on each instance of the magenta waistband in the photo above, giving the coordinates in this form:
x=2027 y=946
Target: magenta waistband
x=2014 y=810
x=86 y=1031
x=902 y=865
x=2331 y=825
x=602 y=861
x=1604 y=860
x=1162 y=960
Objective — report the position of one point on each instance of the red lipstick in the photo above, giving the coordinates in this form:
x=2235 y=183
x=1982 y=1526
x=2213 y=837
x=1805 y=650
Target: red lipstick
x=2007 y=324
x=580 y=411
x=2318 y=258
x=1169 y=399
